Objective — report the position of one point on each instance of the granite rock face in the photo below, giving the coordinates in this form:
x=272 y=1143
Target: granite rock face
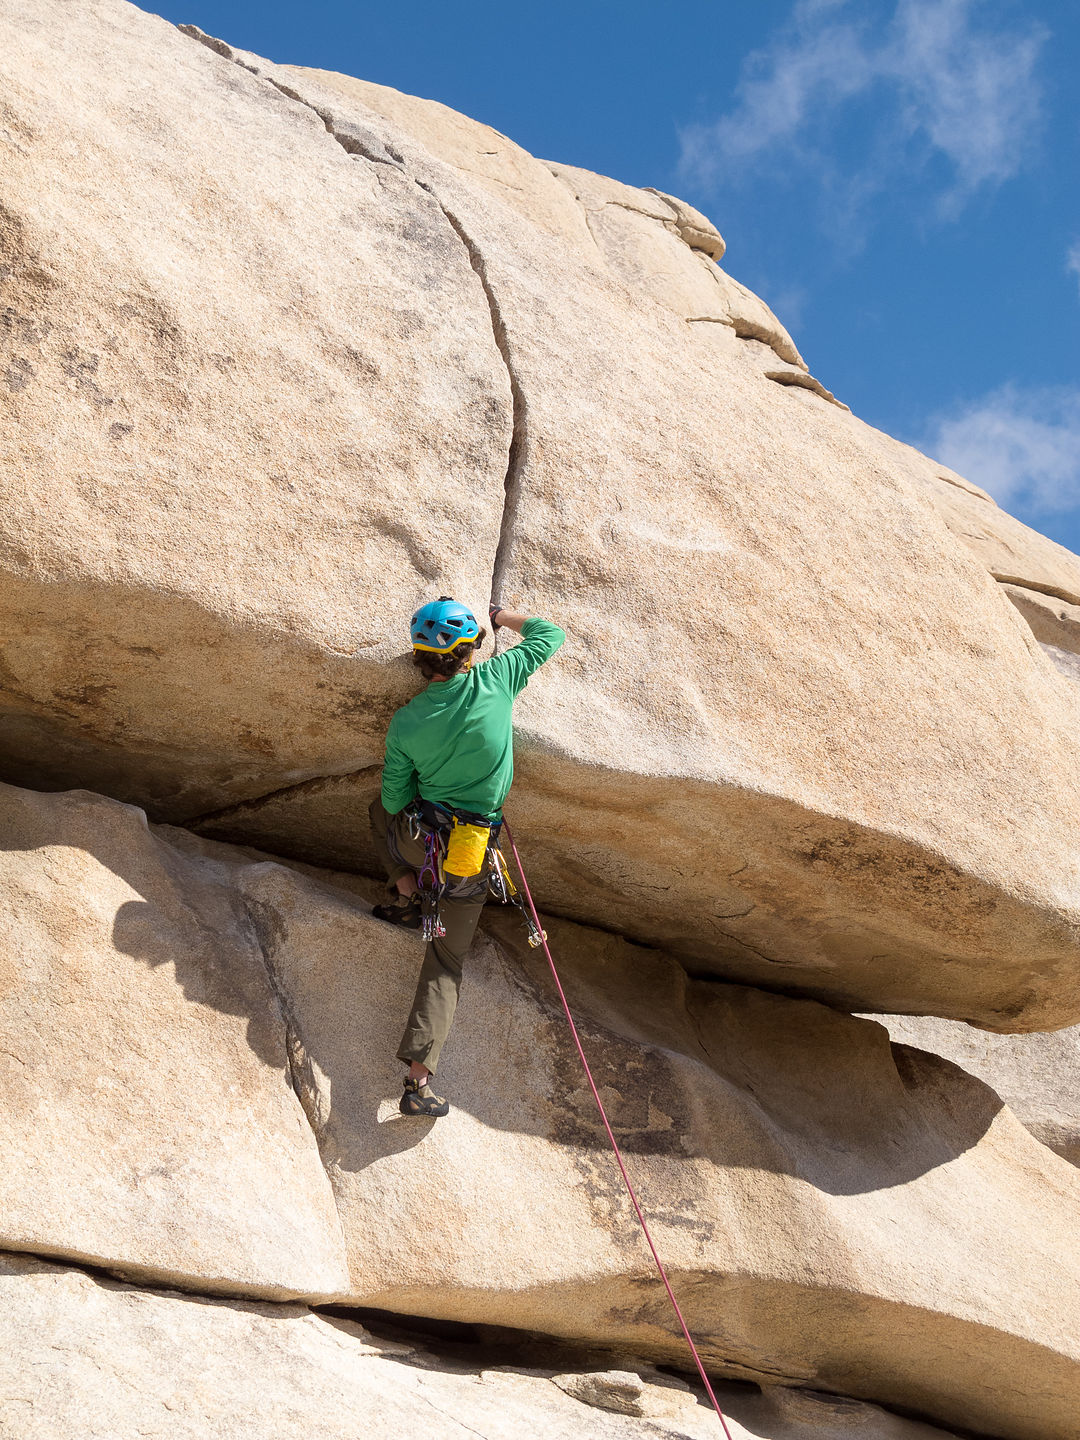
x=791 y=1162
x=283 y=353
x=84 y=1356
x=200 y=1088
x=148 y=1121
x=288 y=352
x=253 y=413
x=701 y=867
x=1038 y=1076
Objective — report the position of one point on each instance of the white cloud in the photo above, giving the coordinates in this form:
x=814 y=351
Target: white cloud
x=1023 y=446
x=1072 y=260
x=942 y=82
x=780 y=88
x=973 y=93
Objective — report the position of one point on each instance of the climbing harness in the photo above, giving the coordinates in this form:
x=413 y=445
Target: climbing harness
x=611 y=1135
x=457 y=845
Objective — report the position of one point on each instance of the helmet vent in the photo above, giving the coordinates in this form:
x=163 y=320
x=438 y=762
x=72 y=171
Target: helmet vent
x=442 y=624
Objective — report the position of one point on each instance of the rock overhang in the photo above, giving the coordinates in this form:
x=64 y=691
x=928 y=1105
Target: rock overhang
x=863 y=720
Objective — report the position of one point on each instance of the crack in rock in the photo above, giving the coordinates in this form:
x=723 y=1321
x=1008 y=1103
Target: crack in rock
x=967 y=488
x=519 y=433
x=1055 y=592
x=265 y=929
x=363 y=144
x=312 y=785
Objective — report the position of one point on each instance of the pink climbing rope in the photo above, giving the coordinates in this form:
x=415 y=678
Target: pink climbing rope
x=614 y=1142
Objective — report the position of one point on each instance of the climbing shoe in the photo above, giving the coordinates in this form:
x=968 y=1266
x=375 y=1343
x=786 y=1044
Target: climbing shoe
x=404 y=912
x=420 y=1099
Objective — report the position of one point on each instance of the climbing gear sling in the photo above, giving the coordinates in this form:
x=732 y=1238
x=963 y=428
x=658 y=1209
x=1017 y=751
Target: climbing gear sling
x=506 y=893
x=429 y=878
x=611 y=1136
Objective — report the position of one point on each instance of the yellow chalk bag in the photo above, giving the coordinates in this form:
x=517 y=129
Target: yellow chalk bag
x=466 y=849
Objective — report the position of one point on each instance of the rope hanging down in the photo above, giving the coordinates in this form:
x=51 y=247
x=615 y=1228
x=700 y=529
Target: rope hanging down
x=614 y=1143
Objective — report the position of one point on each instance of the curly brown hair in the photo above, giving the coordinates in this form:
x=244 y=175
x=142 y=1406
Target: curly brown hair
x=443 y=667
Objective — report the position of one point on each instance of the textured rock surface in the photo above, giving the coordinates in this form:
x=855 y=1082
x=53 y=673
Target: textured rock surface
x=666 y=250
x=253 y=412
x=810 y=744
x=87 y=1357
x=791 y=1163
x=803 y=799
x=147 y=1119
x=1038 y=1076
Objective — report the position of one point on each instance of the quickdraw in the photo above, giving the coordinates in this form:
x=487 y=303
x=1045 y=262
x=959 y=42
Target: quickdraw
x=507 y=893
x=430 y=880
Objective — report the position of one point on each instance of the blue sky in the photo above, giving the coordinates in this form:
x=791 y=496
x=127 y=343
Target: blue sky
x=898 y=178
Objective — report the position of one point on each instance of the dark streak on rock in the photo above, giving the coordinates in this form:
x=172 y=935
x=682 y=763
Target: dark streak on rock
x=82 y=369
x=302 y=787
x=18 y=375
x=1055 y=592
x=267 y=931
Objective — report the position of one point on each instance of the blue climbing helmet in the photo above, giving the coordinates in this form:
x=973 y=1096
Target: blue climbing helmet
x=442 y=625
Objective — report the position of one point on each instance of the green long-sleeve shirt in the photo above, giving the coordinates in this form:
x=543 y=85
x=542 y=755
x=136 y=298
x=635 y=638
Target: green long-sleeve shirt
x=453 y=744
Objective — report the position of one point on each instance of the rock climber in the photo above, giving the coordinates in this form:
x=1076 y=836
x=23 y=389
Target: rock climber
x=448 y=767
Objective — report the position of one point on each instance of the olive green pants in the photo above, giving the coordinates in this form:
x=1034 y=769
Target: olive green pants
x=440 y=975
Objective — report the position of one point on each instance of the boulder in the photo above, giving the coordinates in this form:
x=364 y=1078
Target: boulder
x=188 y=1030
x=835 y=1212
x=795 y=823
x=1054 y=622
x=84 y=1356
x=254 y=413
x=1038 y=1076
x=289 y=352
x=148 y=1121
x=625 y=1392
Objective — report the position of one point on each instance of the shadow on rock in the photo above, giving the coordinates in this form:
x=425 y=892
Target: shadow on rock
x=690 y=1071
